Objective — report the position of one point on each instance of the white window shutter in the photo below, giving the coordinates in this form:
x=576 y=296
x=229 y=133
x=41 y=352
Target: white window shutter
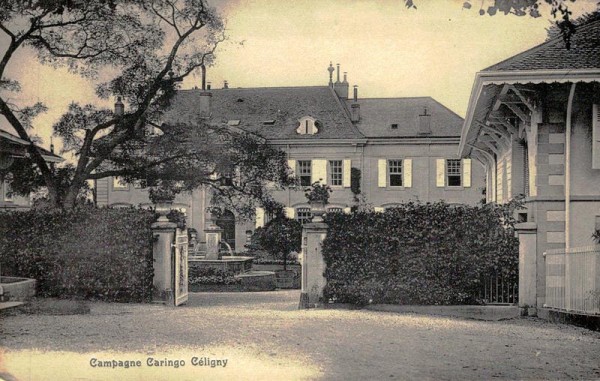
x=290 y=213
x=260 y=218
x=596 y=136
x=382 y=173
x=347 y=168
x=319 y=171
x=466 y=173
x=407 y=173
x=379 y=209
x=292 y=165
x=440 y=178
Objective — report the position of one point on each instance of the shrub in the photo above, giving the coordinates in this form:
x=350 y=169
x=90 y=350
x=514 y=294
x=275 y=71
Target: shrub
x=209 y=275
x=431 y=253
x=279 y=237
x=84 y=253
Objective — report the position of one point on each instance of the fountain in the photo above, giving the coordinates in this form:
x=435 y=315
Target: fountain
x=213 y=256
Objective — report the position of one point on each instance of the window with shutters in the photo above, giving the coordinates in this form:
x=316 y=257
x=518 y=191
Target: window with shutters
x=303 y=215
x=8 y=195
x=336 y=172
x=395 y=173
x=304 y=172
x=453 y=172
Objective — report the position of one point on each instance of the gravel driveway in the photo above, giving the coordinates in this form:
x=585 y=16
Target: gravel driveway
x=262 y=336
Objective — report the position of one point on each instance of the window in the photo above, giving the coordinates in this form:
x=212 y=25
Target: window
x=303 y=215
x=336 y=173
x=394 y=126
x=395 y=173
x=307 y=126
x=120 y=184
x=335 y=210
x=304 y=172
x=453 y=172
x=8 y=196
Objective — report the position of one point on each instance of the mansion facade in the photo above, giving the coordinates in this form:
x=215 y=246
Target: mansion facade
x=405 y=149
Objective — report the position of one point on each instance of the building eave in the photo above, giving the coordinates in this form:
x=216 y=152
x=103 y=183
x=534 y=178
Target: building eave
x=525 y=77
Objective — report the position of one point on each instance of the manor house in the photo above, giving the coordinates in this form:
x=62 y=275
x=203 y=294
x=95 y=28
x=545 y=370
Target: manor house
x=404 y=149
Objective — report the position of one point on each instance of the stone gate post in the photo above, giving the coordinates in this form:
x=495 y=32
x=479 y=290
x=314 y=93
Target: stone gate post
x=527 y=267
x=313 y=265
x=164 y=232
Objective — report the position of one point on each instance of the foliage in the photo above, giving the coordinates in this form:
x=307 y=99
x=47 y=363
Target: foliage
x=431 y=253
x=177 y=217
x=318 y=192
x=88 y=253
x=279 y=237
x=149 y=47
x=596 y=236
x=558 y=9
x=209 y=275
x=271 y=261
x=161 y=194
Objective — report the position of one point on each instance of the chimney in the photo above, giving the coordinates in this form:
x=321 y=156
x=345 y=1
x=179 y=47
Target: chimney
x=341 y=88
x=119 y=107
x=355 y=107
x=424 y=127
x=225 y=84
x=203 y=67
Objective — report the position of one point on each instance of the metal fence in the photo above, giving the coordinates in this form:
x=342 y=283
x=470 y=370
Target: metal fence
x=498 y=289
x=573 y=279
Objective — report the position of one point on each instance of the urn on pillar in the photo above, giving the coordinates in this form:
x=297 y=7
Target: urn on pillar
x=317 y=196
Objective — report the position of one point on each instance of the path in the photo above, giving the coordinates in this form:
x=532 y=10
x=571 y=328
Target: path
x=264 y=336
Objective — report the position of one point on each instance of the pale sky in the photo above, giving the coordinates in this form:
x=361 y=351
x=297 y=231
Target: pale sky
x=387 y=50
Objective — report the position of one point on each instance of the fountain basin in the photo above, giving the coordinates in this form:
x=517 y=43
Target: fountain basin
x=257 y=281
x=16 y=288
x=236 y=264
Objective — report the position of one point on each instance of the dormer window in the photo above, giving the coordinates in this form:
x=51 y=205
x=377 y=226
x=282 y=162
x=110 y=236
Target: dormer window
x=394 y=126
x=308 y=126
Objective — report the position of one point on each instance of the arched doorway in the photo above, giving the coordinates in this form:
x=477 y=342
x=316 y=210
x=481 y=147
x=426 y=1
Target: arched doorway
x=227 y=223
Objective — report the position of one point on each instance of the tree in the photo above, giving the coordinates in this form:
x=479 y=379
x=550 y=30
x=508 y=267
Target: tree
x=280 y=237
x=149 y=47
x=565 y=26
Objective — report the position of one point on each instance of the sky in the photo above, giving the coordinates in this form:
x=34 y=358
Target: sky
x=387 y=50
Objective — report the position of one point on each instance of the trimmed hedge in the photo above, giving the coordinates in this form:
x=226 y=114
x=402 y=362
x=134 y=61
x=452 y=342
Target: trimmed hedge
x=209 y=276
x=87 y=253
x=432 y=254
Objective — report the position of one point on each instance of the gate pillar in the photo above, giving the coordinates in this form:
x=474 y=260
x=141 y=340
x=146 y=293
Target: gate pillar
x=313 y=265
x=527 y=267
x=164 y=233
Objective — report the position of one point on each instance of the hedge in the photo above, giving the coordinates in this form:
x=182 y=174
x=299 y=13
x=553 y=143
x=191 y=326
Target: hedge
x=432 y=254
x=85 y=253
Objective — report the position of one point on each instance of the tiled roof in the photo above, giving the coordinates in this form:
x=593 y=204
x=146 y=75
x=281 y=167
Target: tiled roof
x=11 y=139
x=553 y=54
x=283 y=105
x=378 y=115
